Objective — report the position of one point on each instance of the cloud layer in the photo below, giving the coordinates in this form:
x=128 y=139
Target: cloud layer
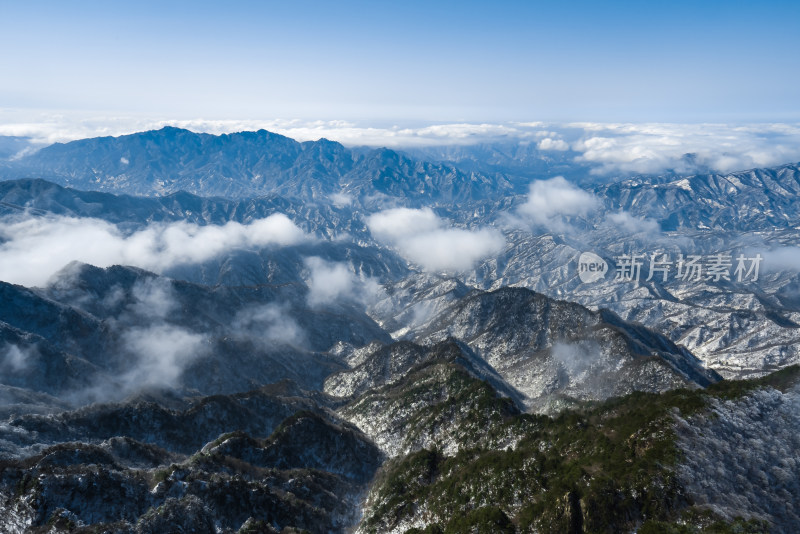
x=425 y=239
x=686 y=148
x=607 y=147
x=33 y=249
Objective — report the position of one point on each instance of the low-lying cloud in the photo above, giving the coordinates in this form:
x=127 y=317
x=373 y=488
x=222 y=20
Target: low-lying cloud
x=778 y=259
x=630 y=224
x=576 y=358
x=15 y=359
x=341 y=200
x=425 y=239
x=686 y=148
x=162 y=352
x=155 y=352
x=32 y=249
x=329 y=282
x=267 y=326
x=608 y=148
x=548 y=143
x=153 y=297
x=550 y=201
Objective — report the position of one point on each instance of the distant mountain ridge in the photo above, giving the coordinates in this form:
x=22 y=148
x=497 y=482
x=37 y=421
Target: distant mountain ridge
x=237 y=165
x=739 y=201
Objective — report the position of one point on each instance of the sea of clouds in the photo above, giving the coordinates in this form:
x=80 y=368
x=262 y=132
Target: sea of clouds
x=609 y=148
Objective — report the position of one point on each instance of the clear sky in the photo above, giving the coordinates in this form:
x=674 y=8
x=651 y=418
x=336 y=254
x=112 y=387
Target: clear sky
x=395 y=61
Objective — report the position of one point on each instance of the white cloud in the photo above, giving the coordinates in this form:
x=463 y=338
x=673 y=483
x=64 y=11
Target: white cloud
x=576 y=358
x=329 y=282
x=423 y=238
x=268 y=325
x=778 y=259
x=46 y=129
x=608 y=147
x=453 y=249
x=653 y=148
x=628 y=223
x=341 y=200
x=33 y=249
x=162 y=353
x=13 y=359
x=549 y=143
x=551 y=200
x=395 y=224
x=153 y=298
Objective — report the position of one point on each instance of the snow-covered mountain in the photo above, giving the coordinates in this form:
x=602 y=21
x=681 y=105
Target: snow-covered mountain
x=747 y=201
x=247 y=164
x=255 y=337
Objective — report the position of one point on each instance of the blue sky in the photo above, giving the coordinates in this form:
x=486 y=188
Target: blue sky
x=410 y=61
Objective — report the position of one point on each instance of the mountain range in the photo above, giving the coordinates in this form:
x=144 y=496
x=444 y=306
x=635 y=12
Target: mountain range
x=244 y=333
x=247 y=164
